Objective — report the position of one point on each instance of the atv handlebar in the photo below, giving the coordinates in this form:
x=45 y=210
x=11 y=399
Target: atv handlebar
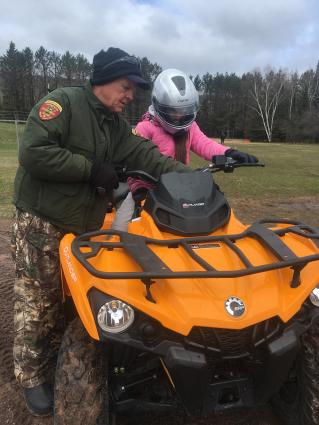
x=220 y=163
x=141 y=174
x=227 y=164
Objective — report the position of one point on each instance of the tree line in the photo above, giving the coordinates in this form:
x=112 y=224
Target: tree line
x=270 y=105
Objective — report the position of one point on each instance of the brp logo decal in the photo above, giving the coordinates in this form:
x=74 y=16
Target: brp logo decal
x=235 y=306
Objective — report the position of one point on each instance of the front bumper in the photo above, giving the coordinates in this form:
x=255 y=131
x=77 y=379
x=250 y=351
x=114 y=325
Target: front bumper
x=212 y=370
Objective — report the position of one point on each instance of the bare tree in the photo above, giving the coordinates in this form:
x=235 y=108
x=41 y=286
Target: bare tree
x=293 y=86
x=266 y=92
x=310 y=83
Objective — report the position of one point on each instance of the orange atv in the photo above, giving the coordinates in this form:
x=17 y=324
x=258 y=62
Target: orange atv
x=190 y=310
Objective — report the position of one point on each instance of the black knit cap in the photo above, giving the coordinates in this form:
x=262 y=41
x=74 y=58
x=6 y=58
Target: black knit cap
x=108 y=66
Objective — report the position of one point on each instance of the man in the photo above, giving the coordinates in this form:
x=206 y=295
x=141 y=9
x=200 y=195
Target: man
x=72 y=140
x=222 y=137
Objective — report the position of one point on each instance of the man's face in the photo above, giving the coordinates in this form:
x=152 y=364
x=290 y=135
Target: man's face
x=115 y=95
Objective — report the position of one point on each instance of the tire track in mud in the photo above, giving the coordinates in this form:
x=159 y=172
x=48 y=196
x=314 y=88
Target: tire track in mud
x=12 y=405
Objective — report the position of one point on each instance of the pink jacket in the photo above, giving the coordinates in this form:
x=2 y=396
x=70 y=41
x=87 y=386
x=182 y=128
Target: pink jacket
x=197 y=142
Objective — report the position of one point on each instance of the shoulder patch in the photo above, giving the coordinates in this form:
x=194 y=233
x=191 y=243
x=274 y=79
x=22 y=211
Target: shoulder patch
x=49 y=110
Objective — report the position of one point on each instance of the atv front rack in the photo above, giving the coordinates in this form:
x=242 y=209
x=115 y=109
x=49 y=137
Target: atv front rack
x=154 y=268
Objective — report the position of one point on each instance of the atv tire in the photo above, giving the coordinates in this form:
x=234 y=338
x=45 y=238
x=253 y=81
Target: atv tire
x=297 y=402
x=81 y=393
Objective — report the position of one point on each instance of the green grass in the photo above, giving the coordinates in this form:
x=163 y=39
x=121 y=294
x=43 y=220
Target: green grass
x=8 y=165
x=291 y=171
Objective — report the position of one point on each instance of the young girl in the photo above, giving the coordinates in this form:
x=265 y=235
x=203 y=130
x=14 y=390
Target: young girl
x=170 y=124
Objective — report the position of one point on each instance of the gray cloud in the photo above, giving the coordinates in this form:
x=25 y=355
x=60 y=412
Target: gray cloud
x=196 y=36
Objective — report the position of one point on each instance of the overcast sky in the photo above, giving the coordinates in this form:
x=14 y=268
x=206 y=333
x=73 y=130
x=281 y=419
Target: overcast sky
x=196 y=36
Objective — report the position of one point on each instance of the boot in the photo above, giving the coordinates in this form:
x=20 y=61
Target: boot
x=39 y=400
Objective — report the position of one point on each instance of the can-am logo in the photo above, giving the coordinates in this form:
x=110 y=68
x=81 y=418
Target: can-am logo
x=235 y=306
x=188 y=205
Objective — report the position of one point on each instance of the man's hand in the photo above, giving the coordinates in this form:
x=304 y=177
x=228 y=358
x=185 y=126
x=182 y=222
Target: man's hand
x=241 y=156
x=103 y=175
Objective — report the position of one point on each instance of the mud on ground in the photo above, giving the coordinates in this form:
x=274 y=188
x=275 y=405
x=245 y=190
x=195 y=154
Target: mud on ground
x=12 y=406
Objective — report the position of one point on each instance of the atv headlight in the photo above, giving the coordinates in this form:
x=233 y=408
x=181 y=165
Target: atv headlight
x=314 y=297
x=115 y=316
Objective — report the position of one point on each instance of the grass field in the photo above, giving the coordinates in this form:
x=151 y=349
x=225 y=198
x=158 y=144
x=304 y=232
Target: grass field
x=291 y=171
x=8 y=165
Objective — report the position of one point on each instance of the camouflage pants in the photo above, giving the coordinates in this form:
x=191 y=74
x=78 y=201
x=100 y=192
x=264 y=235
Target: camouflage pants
x=38 y=314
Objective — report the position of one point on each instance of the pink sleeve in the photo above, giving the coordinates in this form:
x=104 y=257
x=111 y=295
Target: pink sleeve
x=137 y=184
x=143 y=129
x=203 y=145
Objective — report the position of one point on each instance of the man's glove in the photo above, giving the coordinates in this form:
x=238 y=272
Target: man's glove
x=103 y=176
x=241 y=157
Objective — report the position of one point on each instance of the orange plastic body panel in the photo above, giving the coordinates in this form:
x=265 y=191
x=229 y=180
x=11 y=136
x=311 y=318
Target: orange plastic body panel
x=184 y=303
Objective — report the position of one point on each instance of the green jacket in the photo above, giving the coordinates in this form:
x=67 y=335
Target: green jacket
x=56 y=157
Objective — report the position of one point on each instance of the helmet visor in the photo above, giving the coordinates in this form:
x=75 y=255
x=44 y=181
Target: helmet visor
x=177 y=116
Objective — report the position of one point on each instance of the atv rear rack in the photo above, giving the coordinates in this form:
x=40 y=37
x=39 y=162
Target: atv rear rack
x=154 y=268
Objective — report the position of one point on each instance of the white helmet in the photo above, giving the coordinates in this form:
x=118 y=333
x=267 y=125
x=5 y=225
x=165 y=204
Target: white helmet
x=175 y=100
